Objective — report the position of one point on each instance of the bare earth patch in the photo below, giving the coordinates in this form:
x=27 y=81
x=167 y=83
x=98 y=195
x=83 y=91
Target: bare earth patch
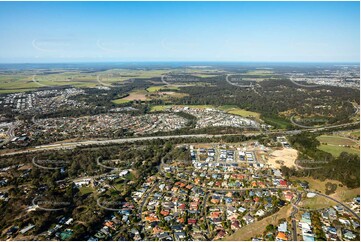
x=136 y=96
x=287 y=156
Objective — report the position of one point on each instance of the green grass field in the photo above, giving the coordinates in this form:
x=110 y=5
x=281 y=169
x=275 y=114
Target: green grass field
x=120 y=75
x=20 y=82
x=4 y=91
x=277 y=122
x=85 y=190
x=335 y=145
x=199 y=106
x=316 y=202
x=120 y=101
x=24 y=81
x=335 y=140
x=337 y=150
x=159 y=88
x=16 y=83
x=240 y=112
x=356 y=134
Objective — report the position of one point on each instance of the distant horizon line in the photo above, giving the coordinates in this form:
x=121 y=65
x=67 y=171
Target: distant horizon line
x=181 y=61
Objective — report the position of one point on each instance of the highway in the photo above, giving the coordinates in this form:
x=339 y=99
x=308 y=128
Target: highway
x=72 y=145
x=313 y=129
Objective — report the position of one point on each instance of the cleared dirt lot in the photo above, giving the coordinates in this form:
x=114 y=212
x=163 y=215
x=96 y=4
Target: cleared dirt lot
x=286 y=155
x=137 y=95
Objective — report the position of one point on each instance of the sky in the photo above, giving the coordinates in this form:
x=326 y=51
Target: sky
x=41 y=32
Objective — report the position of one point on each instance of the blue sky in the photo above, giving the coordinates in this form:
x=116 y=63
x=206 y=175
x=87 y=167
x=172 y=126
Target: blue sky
x=179 y=31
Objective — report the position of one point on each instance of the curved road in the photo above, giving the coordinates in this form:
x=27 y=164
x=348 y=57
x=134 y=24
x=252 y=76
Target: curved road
x=237 y=85
x=319 y=128
x=342 y=204
x=10 y=133
x=102 y=83
x=40 y=84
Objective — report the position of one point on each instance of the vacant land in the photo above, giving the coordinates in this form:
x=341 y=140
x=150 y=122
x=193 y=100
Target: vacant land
x=335 y=145
x=316 y=202
x=257 y=228
x=5 y=91
x=134 y=95
x=166 y=95
x=159 y=88
x=352 y=134
x=336 y=140
x=337 y=150
x=25 y=82
x=137 y=95
x=120 y=101
x=120 y=75
x=240 y=112
x=315 y=184
x=346 y=194
x=342 y=193
x=85 y=190
x=355 y=134
x=16 y=83
x=285 y=157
